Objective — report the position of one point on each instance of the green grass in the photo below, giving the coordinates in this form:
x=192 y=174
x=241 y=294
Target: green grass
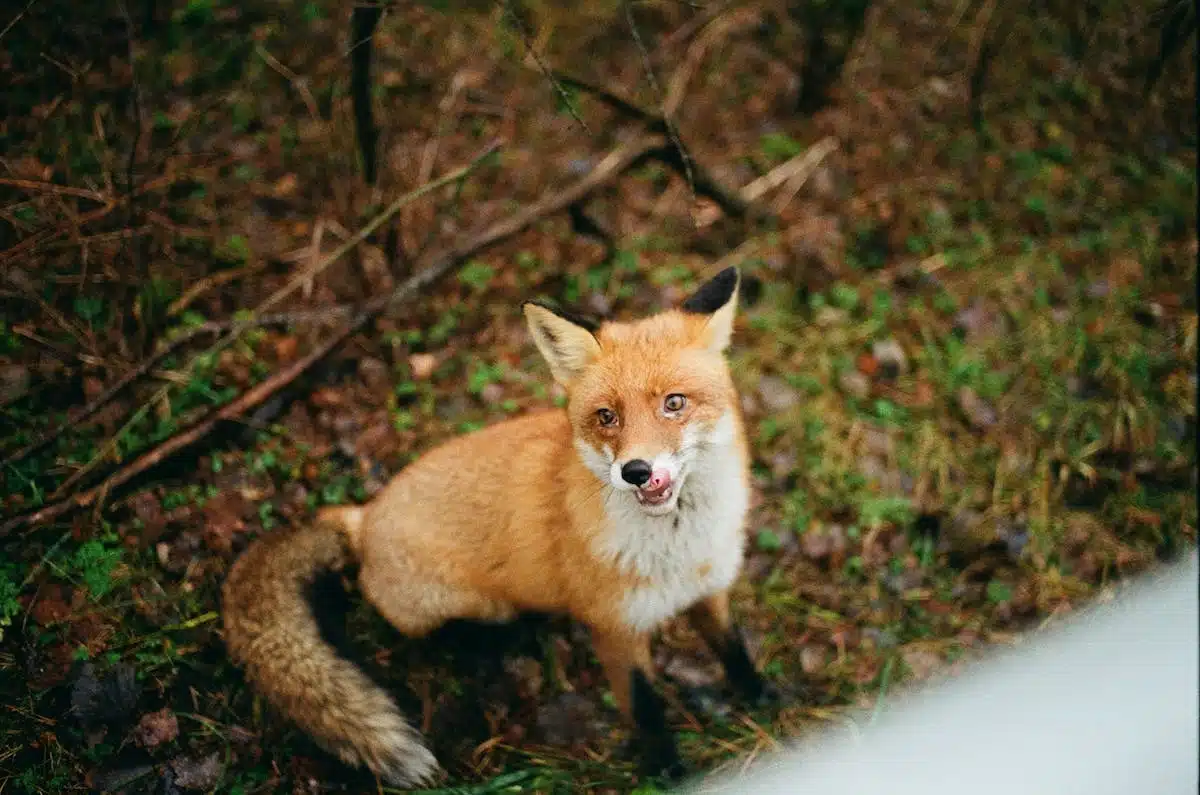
x=1035 y=447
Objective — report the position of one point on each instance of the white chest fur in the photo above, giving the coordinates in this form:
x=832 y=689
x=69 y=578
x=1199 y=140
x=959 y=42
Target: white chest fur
x=684 y=556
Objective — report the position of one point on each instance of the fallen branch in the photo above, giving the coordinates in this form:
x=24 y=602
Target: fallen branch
x=439 y=265
x=152 y=361
x=50 y=187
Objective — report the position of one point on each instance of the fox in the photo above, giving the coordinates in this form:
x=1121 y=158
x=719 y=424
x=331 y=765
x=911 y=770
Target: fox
x=623 y=509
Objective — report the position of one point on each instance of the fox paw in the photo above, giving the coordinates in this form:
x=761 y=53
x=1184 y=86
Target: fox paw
x=656 y=758
x=663 y=764
x=768 y=695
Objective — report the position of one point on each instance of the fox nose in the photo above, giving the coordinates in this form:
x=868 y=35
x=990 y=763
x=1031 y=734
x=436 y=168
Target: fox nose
x=636 y=472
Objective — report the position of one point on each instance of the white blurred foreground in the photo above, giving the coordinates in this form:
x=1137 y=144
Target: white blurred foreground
x=1105 y=705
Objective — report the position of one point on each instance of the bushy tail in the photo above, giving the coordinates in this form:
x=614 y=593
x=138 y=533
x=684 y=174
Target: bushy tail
x=272 y=632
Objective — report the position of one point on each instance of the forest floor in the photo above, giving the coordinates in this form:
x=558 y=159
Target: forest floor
x=967 y=363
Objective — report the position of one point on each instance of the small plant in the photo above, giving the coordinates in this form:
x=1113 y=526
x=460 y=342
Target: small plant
x=94 y=562
x=477 y=275
x=10 y=587
x=778 y=147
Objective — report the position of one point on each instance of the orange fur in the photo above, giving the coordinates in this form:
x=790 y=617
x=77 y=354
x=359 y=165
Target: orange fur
x=525 y=515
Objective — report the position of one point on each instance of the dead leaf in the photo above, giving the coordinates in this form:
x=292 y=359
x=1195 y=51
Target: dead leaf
x=776 y=394
x=285 y=348
x=197 y=773
x=52 y=605
x=921 y=662
x=854 y=384
x=691 y=672
x=148 y=509
x=890 y=357
x=813 y=658
x=978 y=411
x=156 y=728
x=327 y=397
x=285 y=185
x=422 y=365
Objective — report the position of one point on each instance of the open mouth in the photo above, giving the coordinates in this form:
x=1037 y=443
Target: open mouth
x=656 y=496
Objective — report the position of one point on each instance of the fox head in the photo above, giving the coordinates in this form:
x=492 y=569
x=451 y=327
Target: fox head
x=649 y=400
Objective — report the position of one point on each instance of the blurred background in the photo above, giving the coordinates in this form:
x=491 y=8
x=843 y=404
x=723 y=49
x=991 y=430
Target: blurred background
x=257 y=256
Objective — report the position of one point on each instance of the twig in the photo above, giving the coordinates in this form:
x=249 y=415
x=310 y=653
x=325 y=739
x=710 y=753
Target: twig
x=440 y=265
x=668 y=113
x=131 y=163
x=625 y=107
x=563 y=96
x=716 y=29
x=795 y=168
x=314 y=254
x=17 y=18
x=794 y=173
x=293 y=284
x=804 y=169
x=209 y=282
x=298 y=83
x=50 y=187
x=702 y=182
x=152 y=361
x=429 y=153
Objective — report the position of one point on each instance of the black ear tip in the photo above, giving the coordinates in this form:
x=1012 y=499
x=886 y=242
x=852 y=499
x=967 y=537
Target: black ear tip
x=590 y=324
x=713 y=294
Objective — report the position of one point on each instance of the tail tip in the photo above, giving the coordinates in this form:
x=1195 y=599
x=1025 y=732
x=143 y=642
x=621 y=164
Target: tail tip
x=407 y=765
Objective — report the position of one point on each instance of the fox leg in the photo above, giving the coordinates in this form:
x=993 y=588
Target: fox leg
x=712 y=619
x=627 y=664
x=416 y=607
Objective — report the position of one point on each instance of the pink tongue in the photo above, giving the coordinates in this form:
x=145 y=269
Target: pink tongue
x=659 y=482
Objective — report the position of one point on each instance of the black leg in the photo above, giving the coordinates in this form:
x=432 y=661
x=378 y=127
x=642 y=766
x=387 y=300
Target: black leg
x=712 y=620
x=658 y=755
x=740 y=670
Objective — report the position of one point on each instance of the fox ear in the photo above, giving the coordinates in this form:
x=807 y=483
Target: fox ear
x=564 y=340
x=716 y=298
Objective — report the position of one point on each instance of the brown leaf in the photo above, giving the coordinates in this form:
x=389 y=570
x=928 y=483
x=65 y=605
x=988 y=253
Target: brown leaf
x=223 y=518
x=285 y=185
x=815 y=543
x=148 y=509
x=92 y=386
x=52 y=605
x=327 y=397
x=285 y=348
x=156 y=728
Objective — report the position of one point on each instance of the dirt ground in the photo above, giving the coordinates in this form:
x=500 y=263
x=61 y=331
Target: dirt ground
x=967 y=352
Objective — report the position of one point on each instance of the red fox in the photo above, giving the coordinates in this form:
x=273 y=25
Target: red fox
x=623 y=510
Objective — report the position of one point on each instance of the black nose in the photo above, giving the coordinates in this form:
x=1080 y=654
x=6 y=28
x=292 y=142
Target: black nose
x=636 y=471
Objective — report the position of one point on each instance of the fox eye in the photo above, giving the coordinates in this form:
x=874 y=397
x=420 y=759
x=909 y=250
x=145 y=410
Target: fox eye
x=607 y=417
x=674 y=403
